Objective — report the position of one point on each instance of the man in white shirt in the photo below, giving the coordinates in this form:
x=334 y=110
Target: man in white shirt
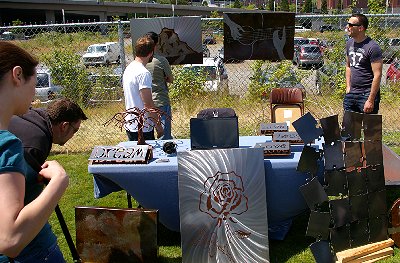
x=137 y=89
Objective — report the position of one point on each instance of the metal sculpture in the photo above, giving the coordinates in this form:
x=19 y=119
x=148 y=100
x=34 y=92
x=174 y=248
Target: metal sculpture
x=142 y=118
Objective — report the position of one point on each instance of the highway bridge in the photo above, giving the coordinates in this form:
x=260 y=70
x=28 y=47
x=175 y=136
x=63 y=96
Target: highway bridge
x=41 y=11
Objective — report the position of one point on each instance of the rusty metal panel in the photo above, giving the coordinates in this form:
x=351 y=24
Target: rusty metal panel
x=222 y=201
x=116 y=235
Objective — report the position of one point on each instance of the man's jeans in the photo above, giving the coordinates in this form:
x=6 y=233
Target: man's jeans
x=166 y=122
x=355 y=102
x=51 y=255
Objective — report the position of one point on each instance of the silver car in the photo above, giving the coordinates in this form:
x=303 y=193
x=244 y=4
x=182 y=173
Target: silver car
x=45 y=89
x=308 y=56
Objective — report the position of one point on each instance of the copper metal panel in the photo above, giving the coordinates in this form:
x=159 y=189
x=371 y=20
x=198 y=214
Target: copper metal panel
x=357 y=182
x=306 y=127
x=340 y=238
x=330 y=126
x=376 y=179
x=318 y=225
x=322 y=252
x=373 y=152
x=352 y=124
x=313 y=193
x=391 y=164
x=309 y=160
x=377 y=204
x=358 y=205
x=336 y=182
x=261 y=35
x=223 y=210
x=378 y=228
x=359 y=233
x=106 y=235
x=334 y=158
x=372 y=125
x=352 y=154
x=340 y=211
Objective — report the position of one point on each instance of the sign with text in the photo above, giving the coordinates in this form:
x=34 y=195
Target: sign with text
x=270 y=128
x=274 y=148
x=118 y=154
x=292 y=137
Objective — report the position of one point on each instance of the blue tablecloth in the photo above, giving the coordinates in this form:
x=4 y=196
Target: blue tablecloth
x=155 y=185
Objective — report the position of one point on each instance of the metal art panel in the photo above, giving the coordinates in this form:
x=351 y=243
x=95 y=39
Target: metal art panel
x=373 y=152
x=313 y=193
x=340 y=211
x=340 y=238
x=179 y=38
x=376 y=178
x=377 y=204
x=336 y=181
x=351 y=126
x=306 y=127
x=330 y=127
x=308 y=160
x=372 y=125
x=322 y=252
x=359 y=233
x=334 y=158
x=261 y=35
x=318 y=225
x=357 y=182
x=358 y=204
x=378 y=227
x=223 y=209
x=352 y=154
x=106 y=235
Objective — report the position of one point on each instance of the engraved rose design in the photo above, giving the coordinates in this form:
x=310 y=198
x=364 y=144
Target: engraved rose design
x=223 y=196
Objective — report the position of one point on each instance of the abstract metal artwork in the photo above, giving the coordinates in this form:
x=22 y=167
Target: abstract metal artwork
x=179 y=38
x=138 y=117
x=106 y=235
x=306 y=127
x=222 y=203
x=261 y=35
x=354 y=183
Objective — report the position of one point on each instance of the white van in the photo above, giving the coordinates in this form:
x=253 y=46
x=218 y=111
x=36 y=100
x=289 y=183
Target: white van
x=45 y=90
x=217 y=76
x=102 y=54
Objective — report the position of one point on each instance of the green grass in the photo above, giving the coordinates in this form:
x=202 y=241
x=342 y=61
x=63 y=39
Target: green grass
x=80 y=193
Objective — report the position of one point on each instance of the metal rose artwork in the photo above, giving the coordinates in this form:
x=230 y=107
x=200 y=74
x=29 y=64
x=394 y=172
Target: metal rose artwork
x=142 y=119
x=222 y=205
x=223 y=196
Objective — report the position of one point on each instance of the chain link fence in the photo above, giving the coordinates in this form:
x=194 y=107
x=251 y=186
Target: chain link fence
x=71 y=66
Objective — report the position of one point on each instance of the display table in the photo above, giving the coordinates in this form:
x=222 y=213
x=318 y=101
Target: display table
x=155 y=185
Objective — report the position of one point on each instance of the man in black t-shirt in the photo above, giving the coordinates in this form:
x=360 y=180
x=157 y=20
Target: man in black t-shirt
x=363 y=68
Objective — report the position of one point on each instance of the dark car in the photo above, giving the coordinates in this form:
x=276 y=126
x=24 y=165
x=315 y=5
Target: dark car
x=324 y=28
x=209 y=40
x=308 y=56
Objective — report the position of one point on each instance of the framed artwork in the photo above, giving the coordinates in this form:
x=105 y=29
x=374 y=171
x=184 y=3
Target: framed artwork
x=179 y=37
x=222 y=203
x=261 y=35
x=116 y=235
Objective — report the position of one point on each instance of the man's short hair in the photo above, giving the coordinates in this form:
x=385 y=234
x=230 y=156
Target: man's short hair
x=66 y=110
x=362 y=19
x=153 y=35
x=144 y=46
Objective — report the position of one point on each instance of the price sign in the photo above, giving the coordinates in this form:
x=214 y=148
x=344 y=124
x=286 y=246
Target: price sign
x=270 y=128
x=118 y=154
x=292 y=137
x=274 y=148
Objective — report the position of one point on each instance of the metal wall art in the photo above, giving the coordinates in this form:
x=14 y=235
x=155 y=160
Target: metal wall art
x=261 y=35
x=353 y=181
x=106 y=235
x=179 y=37
x=222 y=203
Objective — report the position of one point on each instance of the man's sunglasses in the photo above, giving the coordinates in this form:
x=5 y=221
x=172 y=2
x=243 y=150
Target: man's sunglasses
x=351 y=24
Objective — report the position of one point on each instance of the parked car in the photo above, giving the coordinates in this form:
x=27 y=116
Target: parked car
x=393 y=72
x=392 y=51
x=298 y=41
x=209 y=40
x=300 y=29
x=308 y=56
x=324 y=28
x=206 y=51
x=216 y=73
x=102 y=54
x=46 y=90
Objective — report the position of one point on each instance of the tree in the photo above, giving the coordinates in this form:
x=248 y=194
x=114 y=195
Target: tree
x=284 y=5
x=307 y=8
x=271 y=5
x=237 y=4
x=324 y=7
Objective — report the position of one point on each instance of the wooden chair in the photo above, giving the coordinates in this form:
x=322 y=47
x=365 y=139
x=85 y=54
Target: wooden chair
x=287 y=105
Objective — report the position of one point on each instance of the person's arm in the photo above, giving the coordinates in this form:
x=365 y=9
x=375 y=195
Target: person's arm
x=19 y=224
x=348 y=74
x=376 y=81
x=148 y=102
x=169 y=78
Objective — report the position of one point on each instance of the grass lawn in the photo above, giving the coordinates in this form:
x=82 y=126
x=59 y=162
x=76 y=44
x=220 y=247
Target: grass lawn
x=80 y=193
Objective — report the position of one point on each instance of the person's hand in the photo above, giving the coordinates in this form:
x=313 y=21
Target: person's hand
x=160 y=131
x=368 y=106
x=53 y=170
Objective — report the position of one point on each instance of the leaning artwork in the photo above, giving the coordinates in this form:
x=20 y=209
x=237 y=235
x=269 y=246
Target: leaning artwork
x=222 y=202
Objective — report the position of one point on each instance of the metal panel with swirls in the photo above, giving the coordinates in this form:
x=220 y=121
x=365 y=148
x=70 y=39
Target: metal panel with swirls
x=222 y=202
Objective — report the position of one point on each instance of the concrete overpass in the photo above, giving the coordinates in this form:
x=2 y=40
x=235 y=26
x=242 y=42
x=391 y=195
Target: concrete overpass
x=51 y=9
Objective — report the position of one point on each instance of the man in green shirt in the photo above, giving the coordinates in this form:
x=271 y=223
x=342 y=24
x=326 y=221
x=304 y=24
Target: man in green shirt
x=162 y=74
